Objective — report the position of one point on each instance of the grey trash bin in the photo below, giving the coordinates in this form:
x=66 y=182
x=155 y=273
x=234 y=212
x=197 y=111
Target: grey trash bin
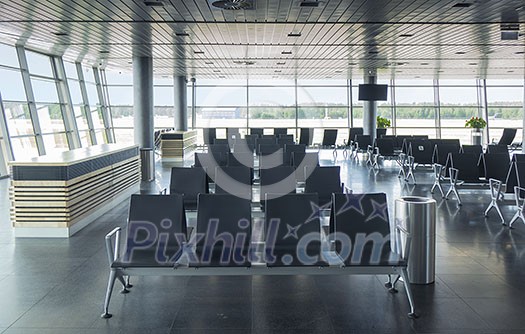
x=418 y=216
x=147 y=164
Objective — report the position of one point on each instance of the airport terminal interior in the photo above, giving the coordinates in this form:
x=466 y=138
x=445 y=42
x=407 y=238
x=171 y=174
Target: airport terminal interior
x=307 y=131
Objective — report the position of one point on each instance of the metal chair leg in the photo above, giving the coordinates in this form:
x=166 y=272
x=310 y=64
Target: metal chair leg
x=408 y=289
x=109 y=290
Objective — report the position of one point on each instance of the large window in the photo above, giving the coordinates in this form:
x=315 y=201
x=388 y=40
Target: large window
x=505 y=107
x=415 y=109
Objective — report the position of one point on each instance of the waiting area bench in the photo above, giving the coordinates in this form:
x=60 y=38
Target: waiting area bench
x=159 y=243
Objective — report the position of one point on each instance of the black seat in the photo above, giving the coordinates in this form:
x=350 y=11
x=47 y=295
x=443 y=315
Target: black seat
x=363 y=141
x=324 y=181
x=235 y=181
x=278 y=180
x=209 y=161
x=385 y=147
x=422 y=151
x=507 y=136
x=268 y=149
x=291 y=148
x=289 y=219
x=472 y=149
x=358 y=217
x=148 y=215
x=224 y=220
x=380 y=132
x=496 y=166
x=352 y=132
x=329 y=138
x=285 y=140
x=467 y=164
x=240 y=160
x=220 y=141
x=306 y=136
x=189 y=182
x=216 y=148
x=271 y=159
x=301 y=160
x=244 y=145
x=232 y=133
x=442 y=149
x=266 y=141
x=257 y=131
x=280 y=131
x=497 y=149
x=209 y=135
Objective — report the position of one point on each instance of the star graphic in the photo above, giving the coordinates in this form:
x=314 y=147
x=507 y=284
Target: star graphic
x=353 y=202
x=316 y=211
x=292 y=231
x=379 y=210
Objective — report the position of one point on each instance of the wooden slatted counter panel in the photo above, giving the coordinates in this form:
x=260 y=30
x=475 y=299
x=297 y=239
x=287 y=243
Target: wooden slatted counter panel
x=177 y=144
x=57 y=195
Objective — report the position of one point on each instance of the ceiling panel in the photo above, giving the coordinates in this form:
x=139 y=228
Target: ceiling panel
x=404 y=38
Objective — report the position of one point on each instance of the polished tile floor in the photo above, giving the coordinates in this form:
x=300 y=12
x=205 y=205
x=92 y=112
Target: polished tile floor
x=57 y=286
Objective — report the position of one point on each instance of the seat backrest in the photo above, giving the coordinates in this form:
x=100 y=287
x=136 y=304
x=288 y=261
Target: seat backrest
x=472 y=149
x=306 y=136
x=289 y=220
x=422 y=151
x=244 y=145
x=232 y=133
x=443 y=149
x=280 y=131
x=234 y=180
x=220 y=141
x=363 y=218
x=496 y=166
x=496 y=149
x=210 y=160
x=240 y=160
x=385 y=146
x=271 y=160
x=520 y=173
x=329 y=137
x=225 y=221
x=324 y=181
x=507 y=136
x=188 y=182
x=380 y=132
x=467 y=164
x=268 y=149
x=287 y=139
x=266 y=141
x=352 y=132
x=257 y=131
x=301 y=160
x=223 y=148
x=289 y=149
x=278 y=180
x=518 y=157
x=209 y=135
x=148 y=216
x=363 y=141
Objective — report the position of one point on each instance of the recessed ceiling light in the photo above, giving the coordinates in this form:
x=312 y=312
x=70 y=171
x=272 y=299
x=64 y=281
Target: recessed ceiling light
x=406 y=35
x=197 y=52
x=294 y=34
x=441 y=71
x=216 y=71
x=460 y=52
x=462 y=5
x=510 y=71
x=338 y=71
x=352 y=64
x=417 y=77
x=399 y=71
x=424 y=63
x=277 y=71
x=130 y=62
x=286 y=52
x=182 y=34
x=208 y=62
x=154 y=3
x=472 y=64
x=373 y=52
x=103 y=51
x=281 y=63
x=60 y=33
x=222 y=76
x=309 y=3
x=520 y=52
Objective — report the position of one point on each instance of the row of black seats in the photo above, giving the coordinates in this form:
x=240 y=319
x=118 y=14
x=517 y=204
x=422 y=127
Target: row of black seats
x=223 y=152
x=252 y=143
x=190 y=182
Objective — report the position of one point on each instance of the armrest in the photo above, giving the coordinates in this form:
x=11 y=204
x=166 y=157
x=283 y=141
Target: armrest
x=163 y=191
x=347 y=189
x=113 y=248
x=405 y=253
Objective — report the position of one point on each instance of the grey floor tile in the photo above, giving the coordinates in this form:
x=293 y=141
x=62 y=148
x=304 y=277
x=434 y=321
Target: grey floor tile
x=500 y=313
x=478 y=286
